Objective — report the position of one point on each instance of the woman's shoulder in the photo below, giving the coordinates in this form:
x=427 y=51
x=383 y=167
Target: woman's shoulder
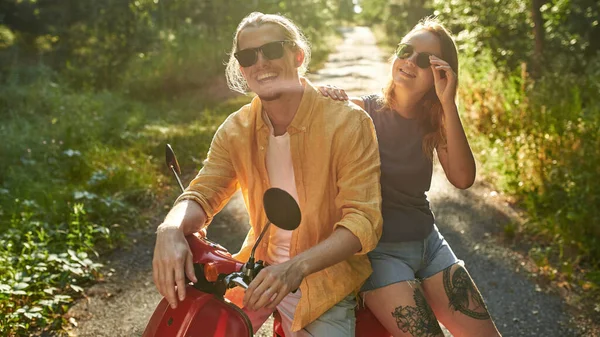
x=371 y=98
x=372 y=103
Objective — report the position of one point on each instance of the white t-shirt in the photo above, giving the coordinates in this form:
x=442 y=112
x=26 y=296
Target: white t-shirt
x=281 y=175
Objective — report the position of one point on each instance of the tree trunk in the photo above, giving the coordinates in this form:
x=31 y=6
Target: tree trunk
x=538 y=33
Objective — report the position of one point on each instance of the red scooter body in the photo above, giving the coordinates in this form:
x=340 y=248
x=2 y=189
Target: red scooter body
x=202 y=313
x=199 y=315
x=205 y=251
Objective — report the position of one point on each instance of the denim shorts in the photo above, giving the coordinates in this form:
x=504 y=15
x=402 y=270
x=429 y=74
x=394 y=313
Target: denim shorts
x=395 y=262
x=338 y=321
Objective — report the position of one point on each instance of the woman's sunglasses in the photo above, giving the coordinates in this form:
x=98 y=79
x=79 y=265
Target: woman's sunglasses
x=405 y=51
x=271 y=51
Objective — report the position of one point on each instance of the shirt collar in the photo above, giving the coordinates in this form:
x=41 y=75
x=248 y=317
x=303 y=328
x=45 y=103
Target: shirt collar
x=302 y=117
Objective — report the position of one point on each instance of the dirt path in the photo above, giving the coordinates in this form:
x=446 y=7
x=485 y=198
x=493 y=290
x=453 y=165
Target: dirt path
x=471 y=220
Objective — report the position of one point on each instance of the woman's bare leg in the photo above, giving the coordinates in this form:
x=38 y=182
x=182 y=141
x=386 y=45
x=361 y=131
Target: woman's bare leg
x=403 y=310
x=458 y=304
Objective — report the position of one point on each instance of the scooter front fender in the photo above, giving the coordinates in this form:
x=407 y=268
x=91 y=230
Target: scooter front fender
x=199 y=315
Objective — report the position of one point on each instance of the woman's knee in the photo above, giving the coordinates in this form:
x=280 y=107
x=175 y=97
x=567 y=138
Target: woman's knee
x=458 y=304
x=462 y=293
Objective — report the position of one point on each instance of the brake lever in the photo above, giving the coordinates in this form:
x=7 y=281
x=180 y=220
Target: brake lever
x=236 y=279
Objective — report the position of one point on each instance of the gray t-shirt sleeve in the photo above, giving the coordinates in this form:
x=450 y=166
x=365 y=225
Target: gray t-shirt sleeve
x=371 y=103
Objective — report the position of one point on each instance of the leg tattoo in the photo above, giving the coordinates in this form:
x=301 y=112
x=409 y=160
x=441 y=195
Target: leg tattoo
x=418 y=320
x=461 y=292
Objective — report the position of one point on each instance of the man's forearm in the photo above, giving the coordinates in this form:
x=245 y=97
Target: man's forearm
x=339 y=246
x=187 y=216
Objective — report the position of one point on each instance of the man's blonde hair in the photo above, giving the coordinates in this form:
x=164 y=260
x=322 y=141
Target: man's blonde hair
x=291 y=32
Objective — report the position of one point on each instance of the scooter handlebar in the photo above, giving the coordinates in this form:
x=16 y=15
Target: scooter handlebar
x=236 y=279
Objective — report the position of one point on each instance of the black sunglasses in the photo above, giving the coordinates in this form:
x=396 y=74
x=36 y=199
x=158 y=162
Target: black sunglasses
x=405 y=51
x=271 y=51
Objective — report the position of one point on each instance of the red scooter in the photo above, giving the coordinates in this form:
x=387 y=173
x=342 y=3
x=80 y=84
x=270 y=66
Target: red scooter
x=205 y=312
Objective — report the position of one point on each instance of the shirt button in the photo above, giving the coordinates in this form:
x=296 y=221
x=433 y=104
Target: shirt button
x=304 y=129
x=262 y=148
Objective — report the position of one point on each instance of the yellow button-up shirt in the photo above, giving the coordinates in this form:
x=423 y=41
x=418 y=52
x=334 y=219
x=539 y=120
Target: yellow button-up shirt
x=337 y=170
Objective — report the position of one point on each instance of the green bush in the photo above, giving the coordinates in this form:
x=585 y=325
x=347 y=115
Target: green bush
x=79 y=169
x=541 y=142
x=148 y=48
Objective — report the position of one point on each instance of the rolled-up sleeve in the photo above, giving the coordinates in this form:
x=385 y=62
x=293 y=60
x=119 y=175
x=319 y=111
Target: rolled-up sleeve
x=358 y=181
x=216 y=182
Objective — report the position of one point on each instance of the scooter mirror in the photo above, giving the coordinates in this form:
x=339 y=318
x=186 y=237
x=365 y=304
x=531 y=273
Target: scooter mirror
x=281 y=209
x=171 y=159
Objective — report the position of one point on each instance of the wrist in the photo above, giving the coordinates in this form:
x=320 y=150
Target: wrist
x=301 y=265
x=167 y=227
x=449 y=105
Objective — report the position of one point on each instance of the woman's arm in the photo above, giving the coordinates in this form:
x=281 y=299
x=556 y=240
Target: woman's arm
x=456 y=156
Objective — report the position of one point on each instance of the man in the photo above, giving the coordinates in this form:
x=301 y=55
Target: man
x=324 y=153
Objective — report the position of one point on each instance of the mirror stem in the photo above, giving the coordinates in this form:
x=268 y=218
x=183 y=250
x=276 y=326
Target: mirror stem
x=177 y=177
x=251 y=259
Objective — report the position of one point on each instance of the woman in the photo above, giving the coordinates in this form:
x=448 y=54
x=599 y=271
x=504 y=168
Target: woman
x=417 y=280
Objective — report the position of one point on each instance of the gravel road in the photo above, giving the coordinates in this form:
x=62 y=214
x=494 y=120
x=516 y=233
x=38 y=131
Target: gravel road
x=472 y=221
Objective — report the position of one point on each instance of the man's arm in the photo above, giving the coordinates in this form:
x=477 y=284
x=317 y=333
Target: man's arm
x=359 y=186
x=186 y=216
x=193 y=210
x=358 y=231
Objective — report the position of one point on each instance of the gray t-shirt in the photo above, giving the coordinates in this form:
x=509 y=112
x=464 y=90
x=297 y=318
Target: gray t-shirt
x=405 y=174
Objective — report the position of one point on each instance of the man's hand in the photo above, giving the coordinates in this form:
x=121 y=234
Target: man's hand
x=275 y=282
x=172 y=256
x=272 y=284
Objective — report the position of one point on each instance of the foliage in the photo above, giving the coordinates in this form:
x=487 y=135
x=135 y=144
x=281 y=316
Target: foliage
x=502 y=28
x=480 y=26
x=397 y=16
x=79 y=169
x=506 y=30
x=540 y=141
x=149 y=47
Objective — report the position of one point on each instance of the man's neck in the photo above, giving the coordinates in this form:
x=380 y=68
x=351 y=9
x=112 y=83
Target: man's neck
x=282 y=111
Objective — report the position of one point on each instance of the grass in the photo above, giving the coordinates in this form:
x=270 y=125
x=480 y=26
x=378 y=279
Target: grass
x=79 y=170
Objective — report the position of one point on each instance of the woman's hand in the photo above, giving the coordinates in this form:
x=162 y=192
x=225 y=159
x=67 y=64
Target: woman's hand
x=333 y=92
x=445 y=80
